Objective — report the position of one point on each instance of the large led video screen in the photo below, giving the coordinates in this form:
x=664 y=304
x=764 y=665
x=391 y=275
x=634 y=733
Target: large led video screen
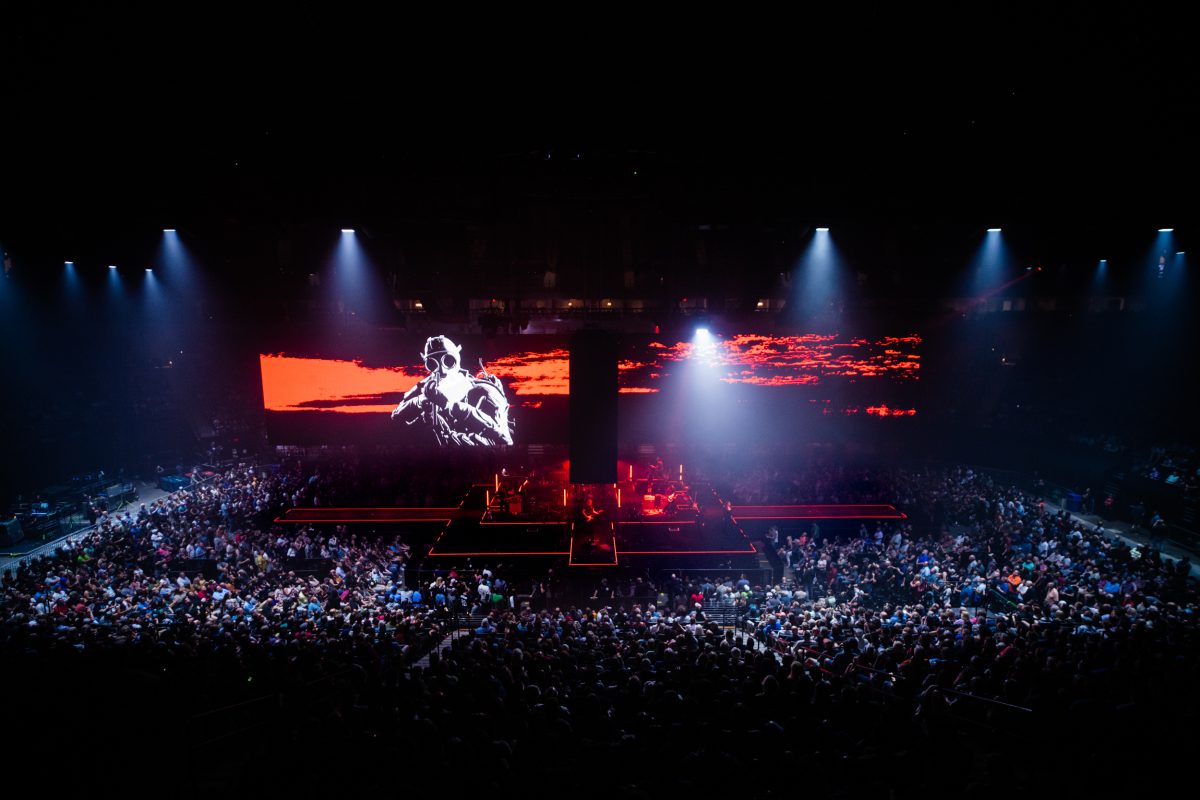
x=469 y=390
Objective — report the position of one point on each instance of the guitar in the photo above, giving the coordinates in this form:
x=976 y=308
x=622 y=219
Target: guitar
x=589 y=516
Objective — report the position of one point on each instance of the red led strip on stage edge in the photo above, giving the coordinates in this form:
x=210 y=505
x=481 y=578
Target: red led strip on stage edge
x=348 y=515
x=688 y=552
x=352 y=520
x=828 y=511
x=490 y=553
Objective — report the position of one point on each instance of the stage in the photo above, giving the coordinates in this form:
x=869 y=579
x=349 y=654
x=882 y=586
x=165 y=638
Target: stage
x=670 y=524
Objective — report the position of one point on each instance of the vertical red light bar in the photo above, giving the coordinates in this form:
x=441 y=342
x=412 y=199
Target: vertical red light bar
x=564 y=498
x=618 y=498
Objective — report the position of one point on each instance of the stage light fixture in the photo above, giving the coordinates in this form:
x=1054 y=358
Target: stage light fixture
x=1166 y=230
x=112 y=266
x=822 y=230
x=993 y=230
x=168 y=230
x=347 y=230
x=703 y=333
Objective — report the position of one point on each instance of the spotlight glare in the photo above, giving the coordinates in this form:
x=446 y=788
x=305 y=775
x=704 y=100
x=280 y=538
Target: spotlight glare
x=347 y=230
x=112 y=266
x=149 y=269
x=822 y=230
x=1166 y=230
x=68 y=263
x=993 y=230
x=1179 y=253
x=168 y=230
x=702 y=333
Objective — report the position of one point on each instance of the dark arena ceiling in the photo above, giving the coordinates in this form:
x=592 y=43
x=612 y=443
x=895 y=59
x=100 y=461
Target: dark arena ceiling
x=912 y=127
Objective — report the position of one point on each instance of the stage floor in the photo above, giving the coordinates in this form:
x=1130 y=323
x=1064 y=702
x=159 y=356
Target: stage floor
x=627 y=539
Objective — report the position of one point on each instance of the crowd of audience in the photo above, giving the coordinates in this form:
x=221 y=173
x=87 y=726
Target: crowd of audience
x=1066 y=602
x=954 y=636
x=202 y=571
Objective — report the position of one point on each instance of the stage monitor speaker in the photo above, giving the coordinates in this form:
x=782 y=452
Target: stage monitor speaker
x=593 y=407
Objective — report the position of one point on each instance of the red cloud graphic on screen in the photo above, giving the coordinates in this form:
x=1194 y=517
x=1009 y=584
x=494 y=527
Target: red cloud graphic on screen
x=804 y=360
x=325 y=384
x=295 y=383
x=534 y=373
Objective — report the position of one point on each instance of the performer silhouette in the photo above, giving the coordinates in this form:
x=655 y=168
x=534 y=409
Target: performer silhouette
x=460 y=408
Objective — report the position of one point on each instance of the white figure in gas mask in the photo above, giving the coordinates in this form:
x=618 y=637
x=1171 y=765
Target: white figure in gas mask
x=460 y=408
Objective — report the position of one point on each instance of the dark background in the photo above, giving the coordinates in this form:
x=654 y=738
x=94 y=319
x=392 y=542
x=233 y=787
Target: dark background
x=471 y=154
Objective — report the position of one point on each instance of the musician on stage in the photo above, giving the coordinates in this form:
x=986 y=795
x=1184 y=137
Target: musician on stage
x=588 y=514
x=589 y=511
